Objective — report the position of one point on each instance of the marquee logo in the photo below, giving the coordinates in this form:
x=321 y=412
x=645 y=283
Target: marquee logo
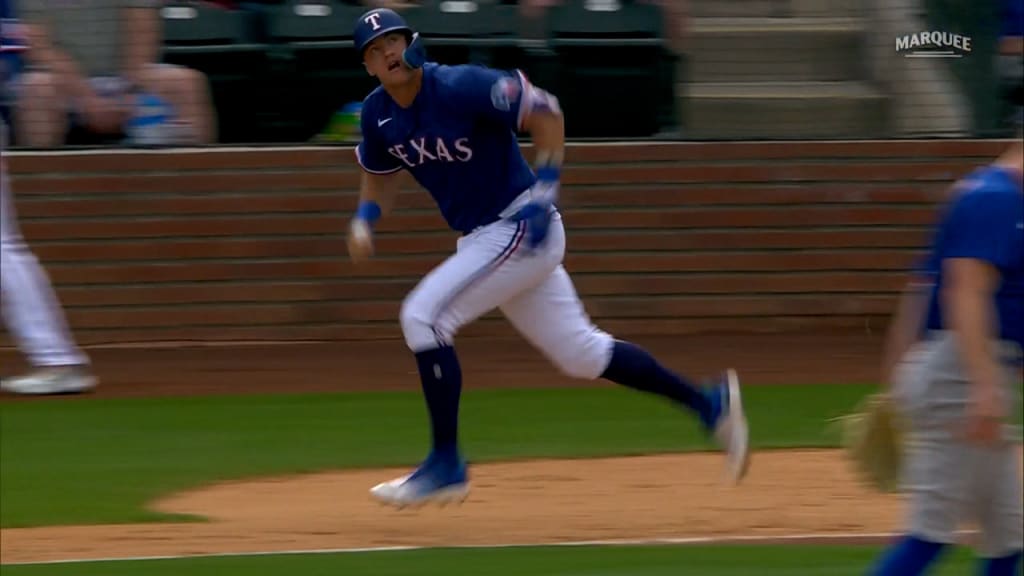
x=933 y=44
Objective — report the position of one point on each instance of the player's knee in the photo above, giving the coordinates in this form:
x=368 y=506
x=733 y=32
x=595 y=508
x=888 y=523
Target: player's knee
x=578 y=368
x=414 y=327
x=587 y=358
x=418 y=327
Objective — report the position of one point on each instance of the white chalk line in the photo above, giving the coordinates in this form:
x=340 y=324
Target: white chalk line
x=819 y=539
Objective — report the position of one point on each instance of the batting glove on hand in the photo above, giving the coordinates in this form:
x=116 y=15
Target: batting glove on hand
x=360 y=231
x=537 y=213
x=360 y=240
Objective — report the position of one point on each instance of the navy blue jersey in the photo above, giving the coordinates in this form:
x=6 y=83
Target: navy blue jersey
x=457 y=139
x=985 y=221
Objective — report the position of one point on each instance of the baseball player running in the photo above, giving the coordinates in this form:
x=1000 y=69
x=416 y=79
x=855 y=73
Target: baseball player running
x=32 y=313
x=454 y=129
x=956 y=381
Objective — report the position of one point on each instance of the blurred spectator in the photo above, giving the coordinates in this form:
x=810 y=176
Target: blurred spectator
x=90 y=65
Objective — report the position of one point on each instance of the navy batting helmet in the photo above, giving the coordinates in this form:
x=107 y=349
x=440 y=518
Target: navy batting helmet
x=381 y=21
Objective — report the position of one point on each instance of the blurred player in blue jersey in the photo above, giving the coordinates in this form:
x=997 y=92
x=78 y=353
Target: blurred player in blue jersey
x=454 y=129
x=954 y=357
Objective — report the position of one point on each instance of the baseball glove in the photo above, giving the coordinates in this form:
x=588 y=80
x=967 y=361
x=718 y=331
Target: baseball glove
x=873 y=441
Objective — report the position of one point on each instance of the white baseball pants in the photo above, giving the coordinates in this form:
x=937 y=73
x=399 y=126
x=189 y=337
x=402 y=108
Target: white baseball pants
x=493 y=268
x=947 y=480
x=31 y=311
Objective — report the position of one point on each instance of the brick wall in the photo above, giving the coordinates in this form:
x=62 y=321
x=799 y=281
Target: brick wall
x=663 y=238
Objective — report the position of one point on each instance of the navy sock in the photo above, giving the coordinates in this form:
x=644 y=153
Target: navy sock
x=1005 y=566
x=441 y=377
x=911 y=556
x=634 y=367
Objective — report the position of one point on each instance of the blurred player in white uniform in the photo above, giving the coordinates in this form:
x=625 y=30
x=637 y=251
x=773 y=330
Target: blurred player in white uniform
x=31 y=311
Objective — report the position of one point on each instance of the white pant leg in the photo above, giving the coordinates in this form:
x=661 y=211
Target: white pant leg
x=491 y=266
x=552 y=318
x=30 y=308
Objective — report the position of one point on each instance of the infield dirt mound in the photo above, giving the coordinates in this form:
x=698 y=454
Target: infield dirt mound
x=549 y=501
x=672 y=496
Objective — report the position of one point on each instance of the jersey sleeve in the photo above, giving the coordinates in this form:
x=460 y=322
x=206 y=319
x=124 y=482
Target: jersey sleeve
x=371 y=152
x=497 y=95
x=981 y=226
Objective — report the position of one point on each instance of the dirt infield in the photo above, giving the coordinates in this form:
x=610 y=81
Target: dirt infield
x=676 y=496
x=805 y=492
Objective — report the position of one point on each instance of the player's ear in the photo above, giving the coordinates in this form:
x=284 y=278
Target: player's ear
x=367 y=67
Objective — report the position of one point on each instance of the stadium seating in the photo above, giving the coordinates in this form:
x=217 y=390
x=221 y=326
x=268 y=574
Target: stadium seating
x=315 y=67
x=460 y=32
x=280 y=69
x=612 y=65
x=223 y=44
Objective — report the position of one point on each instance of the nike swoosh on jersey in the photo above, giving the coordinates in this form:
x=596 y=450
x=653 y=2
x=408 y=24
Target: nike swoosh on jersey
x=383 y=122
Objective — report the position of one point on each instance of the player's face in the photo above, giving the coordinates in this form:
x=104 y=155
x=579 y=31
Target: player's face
x=383 y=59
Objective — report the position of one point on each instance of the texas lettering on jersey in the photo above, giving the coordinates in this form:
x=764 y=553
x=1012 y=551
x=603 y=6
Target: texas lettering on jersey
x=432 y=149
x=457 y=139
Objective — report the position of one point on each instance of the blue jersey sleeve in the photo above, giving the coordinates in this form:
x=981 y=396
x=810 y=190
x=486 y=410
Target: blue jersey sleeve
x=981 y=225
x=495 y=95
x=371 y=152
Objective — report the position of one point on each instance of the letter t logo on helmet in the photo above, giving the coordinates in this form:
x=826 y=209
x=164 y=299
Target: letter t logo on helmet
x=373 y=20
x=376 y=23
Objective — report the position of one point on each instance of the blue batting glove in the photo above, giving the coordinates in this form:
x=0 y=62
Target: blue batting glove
x=538 y=220
x=537 y=213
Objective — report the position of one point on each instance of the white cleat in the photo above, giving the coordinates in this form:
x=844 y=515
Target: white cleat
x=430 y=483
x=403 y=493
x=50 y=381
x=732 y=430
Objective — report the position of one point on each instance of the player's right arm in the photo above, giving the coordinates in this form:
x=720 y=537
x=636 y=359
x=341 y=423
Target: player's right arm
x=380 y=183
x=377 y=194
x=907 y=322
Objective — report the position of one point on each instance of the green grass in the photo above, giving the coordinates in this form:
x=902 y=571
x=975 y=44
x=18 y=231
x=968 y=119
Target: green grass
x=100 y=460
x=540 y=561
x=71 y=461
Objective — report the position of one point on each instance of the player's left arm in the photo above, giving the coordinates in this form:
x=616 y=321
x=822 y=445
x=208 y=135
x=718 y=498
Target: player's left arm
x=540 y=115
x=509 y=99
x=543 y=120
